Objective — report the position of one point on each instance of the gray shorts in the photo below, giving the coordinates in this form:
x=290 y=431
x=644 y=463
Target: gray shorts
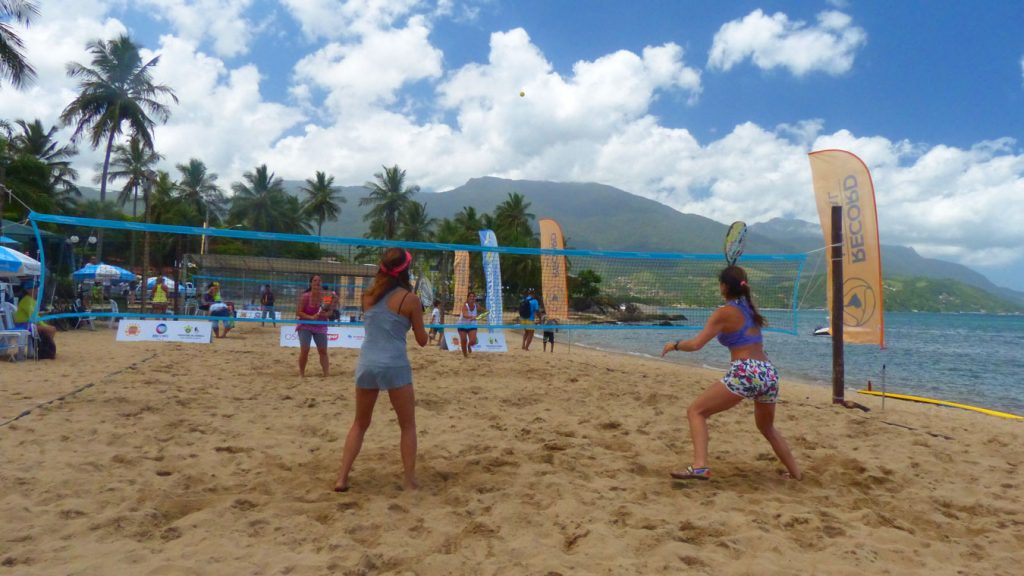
x=319 y=337
x=383 y=377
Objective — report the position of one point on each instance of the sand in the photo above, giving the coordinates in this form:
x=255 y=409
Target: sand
x=218 y=459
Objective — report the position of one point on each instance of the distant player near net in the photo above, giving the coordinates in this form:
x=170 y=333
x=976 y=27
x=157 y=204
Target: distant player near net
x=737 y=325
x=390 y=309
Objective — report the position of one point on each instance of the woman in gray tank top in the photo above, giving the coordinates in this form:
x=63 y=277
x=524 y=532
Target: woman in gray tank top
x=389 y=310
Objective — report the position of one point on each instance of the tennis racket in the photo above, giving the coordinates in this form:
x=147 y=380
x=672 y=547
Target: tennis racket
x=735 y=239
x=425 y=290
x=482 y=315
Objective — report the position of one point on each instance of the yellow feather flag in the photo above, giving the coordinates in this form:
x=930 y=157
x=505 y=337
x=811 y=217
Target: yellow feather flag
x=841 y=179
x=554 y=279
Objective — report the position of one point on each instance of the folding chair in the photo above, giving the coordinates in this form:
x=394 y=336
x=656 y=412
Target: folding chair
x=112 y=320
x=13 y=341
x=83 y=319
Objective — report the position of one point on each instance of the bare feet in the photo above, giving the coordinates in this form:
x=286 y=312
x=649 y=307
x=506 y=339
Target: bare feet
x=341 y=486
x=787 y=476
x=411 y=486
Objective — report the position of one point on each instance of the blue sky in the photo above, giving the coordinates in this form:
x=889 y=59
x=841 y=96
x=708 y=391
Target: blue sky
x=708 y=107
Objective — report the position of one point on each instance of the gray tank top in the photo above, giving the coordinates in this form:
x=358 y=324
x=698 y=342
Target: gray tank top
x=384 y=343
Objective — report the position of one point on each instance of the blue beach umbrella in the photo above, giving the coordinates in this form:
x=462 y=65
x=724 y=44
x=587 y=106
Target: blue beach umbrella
x=102 y=272
x=14 y=263
x=151 y=281
x=8 y=240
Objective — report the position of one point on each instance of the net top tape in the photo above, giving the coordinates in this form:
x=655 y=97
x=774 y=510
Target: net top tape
x=342 y=241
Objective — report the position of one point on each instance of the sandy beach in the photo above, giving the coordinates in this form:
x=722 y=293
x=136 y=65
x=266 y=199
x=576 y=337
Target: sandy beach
x=169 y=459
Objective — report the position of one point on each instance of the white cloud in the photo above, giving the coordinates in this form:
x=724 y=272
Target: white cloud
x=348 y=18
x=775 y=41
x=222 y=22
x=370 y=72
x=352 y=105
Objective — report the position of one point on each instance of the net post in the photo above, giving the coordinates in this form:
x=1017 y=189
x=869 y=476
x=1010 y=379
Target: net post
x=838 y=367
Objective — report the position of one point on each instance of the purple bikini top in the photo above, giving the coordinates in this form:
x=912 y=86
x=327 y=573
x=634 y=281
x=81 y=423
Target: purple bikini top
x=740 y=337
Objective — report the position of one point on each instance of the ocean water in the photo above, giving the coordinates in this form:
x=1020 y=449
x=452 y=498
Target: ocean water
x=970 y=358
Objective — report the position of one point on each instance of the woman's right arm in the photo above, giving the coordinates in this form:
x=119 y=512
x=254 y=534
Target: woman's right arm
x=299 y=306
x=414 y=312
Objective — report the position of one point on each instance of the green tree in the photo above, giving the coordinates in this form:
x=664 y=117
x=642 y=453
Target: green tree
x=260 y=203
x=514 y=221
x=387 y=196
x=13 y=65
x=198 y=189
x=39 y=142
x=584 y=289
x=133 y=163
x=415 y=225
x=117 y=90
x=322 y=200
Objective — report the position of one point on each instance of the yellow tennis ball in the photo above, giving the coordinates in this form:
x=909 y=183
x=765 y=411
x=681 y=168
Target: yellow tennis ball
x=521 y=94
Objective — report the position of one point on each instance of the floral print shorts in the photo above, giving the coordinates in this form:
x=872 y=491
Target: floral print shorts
x=756 y=379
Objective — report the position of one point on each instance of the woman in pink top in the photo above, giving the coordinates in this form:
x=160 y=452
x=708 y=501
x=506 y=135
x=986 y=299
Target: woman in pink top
x=311 y=306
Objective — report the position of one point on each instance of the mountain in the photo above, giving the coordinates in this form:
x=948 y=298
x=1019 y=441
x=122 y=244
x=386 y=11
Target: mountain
x=802 y=236
x=600 y=217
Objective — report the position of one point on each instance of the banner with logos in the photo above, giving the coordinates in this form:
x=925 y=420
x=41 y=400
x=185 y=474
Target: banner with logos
x=554 y=279
x=337 y=337
x=487 y=340
x=255 y=314
x=189 y=331
x=492 y=274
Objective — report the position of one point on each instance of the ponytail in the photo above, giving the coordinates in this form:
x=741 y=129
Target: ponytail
x=735 y=280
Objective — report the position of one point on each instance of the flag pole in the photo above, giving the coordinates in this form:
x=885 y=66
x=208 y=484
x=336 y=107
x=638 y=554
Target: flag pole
x=838 y=367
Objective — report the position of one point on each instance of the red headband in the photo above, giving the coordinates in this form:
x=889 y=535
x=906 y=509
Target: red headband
x=394 y=272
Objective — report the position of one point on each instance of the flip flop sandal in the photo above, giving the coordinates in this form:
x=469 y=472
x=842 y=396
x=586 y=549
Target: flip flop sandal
x=693 y=474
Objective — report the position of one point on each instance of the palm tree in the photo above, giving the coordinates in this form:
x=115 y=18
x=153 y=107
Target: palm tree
x=134 y=164
x=260 y=203
x=13 y=65
x=118 y=89
x=513 y=220
x=198 y=188
x=388 y=196
x=38 y=142
x=415 y=224
x=322 y=199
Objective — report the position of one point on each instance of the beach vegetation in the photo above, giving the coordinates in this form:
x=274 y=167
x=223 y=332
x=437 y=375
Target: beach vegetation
x=14 y=67
x=117 y=90
x=387 y=196
x=322 y=202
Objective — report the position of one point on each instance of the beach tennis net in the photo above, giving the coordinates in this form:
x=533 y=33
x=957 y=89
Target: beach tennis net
x=580 y=289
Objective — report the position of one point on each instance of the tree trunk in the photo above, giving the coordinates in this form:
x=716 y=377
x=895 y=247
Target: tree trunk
x=135 y=215
x=103 y=195
x=145 y=254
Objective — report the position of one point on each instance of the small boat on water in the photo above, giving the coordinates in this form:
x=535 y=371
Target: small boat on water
x=823 y=331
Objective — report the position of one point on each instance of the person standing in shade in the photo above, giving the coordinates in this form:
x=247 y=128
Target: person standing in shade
x=311 y=307
x=467 y=321
x=435 y=318
x=528 y=317
x=159 y=296
x=549 y=330
x=737 y=325
x=390 y=309
x=267 y=305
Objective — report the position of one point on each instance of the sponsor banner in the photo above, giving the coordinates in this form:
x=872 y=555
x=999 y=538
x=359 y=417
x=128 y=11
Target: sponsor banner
x=492 y=273
x=192 y=331
x=337 y=337
x=554 y=280
x=255 y=314
x=842 y=179
x=487 y=340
